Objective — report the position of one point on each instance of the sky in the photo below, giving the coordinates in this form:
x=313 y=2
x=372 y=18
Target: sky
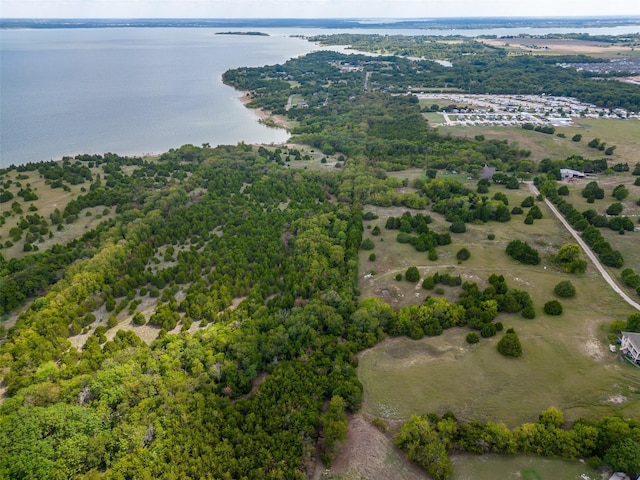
x=312 y=8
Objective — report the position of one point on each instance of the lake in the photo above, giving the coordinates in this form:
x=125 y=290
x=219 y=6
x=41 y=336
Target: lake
x=144 y=90
x=129 y=91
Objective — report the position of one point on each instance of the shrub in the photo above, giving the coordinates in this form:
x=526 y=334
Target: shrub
x=593 y=190
x=527 y=202
x=428 y=283
x=473 y=338
x=512 y=183
x=138 y=319
x=433 y=255
x=412 y=274
x=614 y=209
x=399 y=277
x=509 y=345
x=112 y=321
x=620 y=193
x=367 y=244
x=553 y=307
x=491 y=236
x=458 y=227
x=463 y=254
x=535 y=212
x=488 y=330
x=612 y=258
x=522 y=252
x=403 y=237
x=372 y=257
x=565 y=289
x=528 y=312
x=517 y=211
x=577 y=137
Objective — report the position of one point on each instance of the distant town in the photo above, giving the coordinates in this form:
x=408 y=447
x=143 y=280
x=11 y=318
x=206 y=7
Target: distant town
x=513 y=110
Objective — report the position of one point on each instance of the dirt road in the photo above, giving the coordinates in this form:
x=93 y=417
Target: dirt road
x=587 y=250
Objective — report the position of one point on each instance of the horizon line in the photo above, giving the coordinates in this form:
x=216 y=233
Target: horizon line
x=541 y=17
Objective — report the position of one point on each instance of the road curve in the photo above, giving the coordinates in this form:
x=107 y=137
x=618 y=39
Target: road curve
x=587 y=250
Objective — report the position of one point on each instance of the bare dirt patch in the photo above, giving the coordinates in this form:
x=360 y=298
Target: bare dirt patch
x=617 y=399
x=369 y=453
x=593 y=348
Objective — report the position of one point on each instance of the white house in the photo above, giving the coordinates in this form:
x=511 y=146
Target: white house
x=568 y=173
x=631 y=346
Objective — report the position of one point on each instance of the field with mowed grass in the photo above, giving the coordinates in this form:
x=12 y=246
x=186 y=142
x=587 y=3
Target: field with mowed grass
x=566 y=361
x=490 y=467
x=624 y=134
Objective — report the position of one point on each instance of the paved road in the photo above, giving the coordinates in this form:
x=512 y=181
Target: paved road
x=367 y=76
x=587 y=250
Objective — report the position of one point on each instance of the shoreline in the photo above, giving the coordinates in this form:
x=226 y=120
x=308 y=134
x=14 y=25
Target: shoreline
x=265 y=117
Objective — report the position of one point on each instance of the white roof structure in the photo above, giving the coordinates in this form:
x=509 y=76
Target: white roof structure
x=631 y=345
x=567 y=172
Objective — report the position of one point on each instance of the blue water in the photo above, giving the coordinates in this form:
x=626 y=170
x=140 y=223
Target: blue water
x=143 y=90
x=129 y=91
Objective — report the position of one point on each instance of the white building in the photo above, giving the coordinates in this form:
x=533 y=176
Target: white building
x=631 y=346
x=568 y=173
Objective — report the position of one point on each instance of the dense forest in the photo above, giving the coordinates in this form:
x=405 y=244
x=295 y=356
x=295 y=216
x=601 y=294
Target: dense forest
x=243 y=274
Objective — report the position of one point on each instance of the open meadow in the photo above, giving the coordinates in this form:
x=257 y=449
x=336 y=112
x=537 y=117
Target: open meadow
x=562 y=46
x=566 y=361
x=490 y=467
x=625 y=134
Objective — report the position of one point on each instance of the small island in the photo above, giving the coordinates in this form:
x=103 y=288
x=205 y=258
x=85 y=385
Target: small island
x=260 y=34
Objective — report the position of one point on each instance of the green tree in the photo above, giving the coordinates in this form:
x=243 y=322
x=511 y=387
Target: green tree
x=423 y=445
x=367 y=244
x=633 y=322
x=523 y=252
x=620 y=193
x=138 y=319
x=624 y=456
x=472 y=338
x=509 y=345
x=412 y=274
x=334 y=428
x=565 y=289
x=463 y=254
x=458 y=226
x=614 y=209
x=553 y=307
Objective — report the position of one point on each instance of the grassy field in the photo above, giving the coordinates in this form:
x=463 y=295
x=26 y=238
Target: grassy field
x=625 y=134
x=563 y=46
x=490 y=467
x=566 y=361
x=48 y=200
